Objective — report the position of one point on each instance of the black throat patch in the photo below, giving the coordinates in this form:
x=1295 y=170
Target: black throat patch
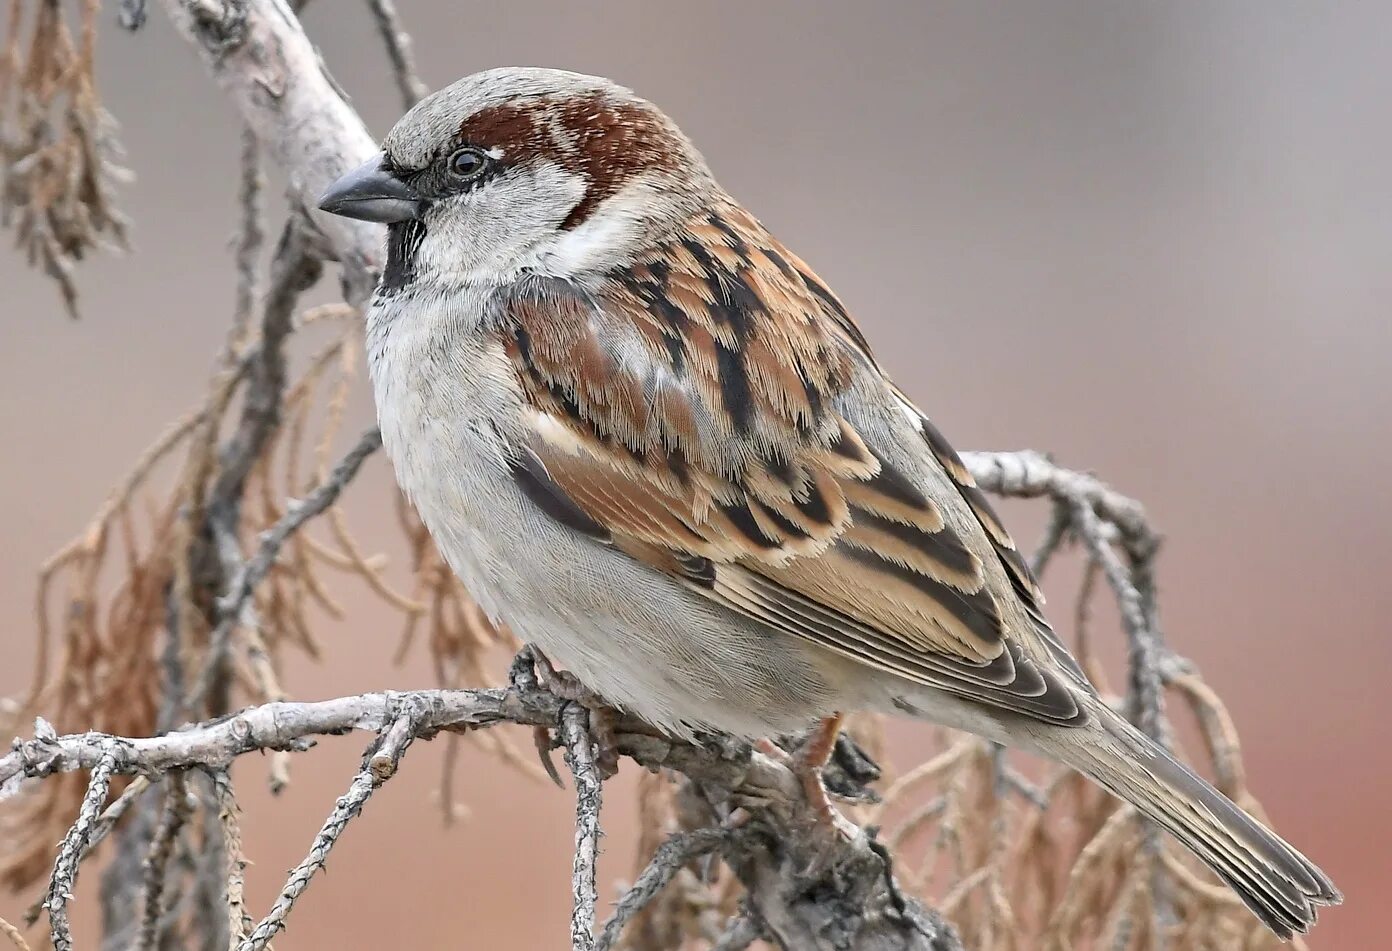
x=403 y=241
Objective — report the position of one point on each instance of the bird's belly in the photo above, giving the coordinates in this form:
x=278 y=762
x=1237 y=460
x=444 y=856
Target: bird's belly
x=635 y=636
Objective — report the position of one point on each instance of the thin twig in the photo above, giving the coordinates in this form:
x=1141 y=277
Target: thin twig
x=1060 y=518
x=295 y=269
x=250 y=237
x=233 y=606
x=1145 y=653
x=229 y=819
x=105 y=823
x=11 y=932
x=575 y=735
x=669 y=858
x=379 y=766
x=1029 y=474
x=398 y=45
x=64 y=879
x=177 y=809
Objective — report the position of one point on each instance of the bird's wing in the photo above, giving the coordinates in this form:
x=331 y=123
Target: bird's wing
x=684 y=409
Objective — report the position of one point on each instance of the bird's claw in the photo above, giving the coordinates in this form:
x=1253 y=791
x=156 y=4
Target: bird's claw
x=566 y=686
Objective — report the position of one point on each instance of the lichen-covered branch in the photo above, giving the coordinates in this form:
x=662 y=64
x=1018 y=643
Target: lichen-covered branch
x=74 y=845
x=776 y=859
x=575 y=735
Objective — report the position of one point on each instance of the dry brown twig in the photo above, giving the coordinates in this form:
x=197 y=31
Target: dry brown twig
x=58 y=150
x=13 y=933
x=219 y=575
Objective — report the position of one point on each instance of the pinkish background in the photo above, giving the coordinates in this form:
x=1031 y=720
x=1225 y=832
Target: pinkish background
x=1153 y=241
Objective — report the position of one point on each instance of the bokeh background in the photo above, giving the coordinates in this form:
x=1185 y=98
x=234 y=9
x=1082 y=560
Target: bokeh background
x=1153 y=239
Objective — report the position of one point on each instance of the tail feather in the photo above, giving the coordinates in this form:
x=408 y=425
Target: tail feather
x=1281 y=887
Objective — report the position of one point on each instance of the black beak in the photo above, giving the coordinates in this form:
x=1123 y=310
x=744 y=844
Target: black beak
x=372 y=193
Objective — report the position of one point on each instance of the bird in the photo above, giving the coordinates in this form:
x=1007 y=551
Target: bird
x=649 y=439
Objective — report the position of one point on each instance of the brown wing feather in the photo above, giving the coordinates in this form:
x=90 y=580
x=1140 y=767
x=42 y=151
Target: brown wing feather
x=686 y=404
x=1022 y=579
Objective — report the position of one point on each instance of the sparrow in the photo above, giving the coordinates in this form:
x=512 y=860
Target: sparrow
x=654 y=443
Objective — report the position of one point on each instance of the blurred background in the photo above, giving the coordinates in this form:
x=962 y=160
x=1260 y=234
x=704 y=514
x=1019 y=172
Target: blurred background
x=1153 y=241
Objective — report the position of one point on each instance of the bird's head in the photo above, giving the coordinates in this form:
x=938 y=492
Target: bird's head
x=516 y=170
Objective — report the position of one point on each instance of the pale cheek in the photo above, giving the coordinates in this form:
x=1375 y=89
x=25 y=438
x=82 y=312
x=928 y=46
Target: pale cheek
x=498 y=230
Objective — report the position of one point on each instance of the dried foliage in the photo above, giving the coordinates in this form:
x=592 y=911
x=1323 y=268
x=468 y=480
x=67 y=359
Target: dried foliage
x=182 y=597
x=103 y=600
x=58 y=149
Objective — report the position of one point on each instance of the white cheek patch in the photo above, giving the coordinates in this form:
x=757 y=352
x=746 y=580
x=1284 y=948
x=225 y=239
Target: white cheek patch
x=490 y=234
x=609 y=234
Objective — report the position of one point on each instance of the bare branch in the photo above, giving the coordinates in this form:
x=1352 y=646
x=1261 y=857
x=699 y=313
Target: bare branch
x=11 y=932
x=64 y=880
x=296 y=268
x=1094 y=511
x=1146 y=650
x=676 y=852
x=250 y=237
x=234 y=604
x=271 y=726
x=398 y=45
x=575 y=735
x=380 y=765
x=104 y=824
x=275 y=78
x=229 y=819
x=1030 y=474
x=177 y=809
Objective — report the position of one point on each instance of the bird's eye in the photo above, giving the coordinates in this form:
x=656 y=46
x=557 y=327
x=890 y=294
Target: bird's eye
x=468 y=164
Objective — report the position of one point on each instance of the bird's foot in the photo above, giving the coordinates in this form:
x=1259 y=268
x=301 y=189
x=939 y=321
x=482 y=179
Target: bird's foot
x=807 y=764
x=603 y=717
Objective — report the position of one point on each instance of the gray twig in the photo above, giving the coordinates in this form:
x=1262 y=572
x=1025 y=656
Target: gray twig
x=64 y=880
x=1145 y=693
x=234 y=605
x=398 y=44
x=287 y=725
x=177 y=809
x=229 y=820
x=379 y=765
x=1094 y=510
x=1060 y=518
x=100 y=830
x=1030 y=474
x=669 y=858
x=579 y=756
x=294 y=271
x=250 y=236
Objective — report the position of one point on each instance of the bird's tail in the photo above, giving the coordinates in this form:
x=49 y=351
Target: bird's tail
x=1282 y=887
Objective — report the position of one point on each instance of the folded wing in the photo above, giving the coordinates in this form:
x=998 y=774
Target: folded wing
x=683 y=409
